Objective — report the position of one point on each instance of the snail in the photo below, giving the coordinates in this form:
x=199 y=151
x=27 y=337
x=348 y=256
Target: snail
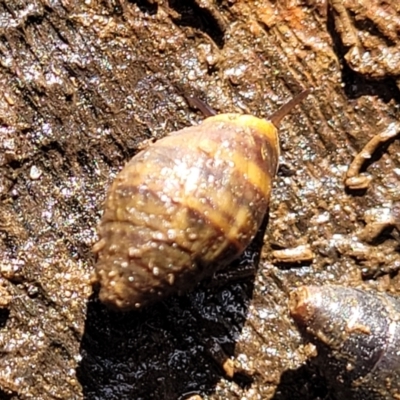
x=357 y=336
x=185 y=207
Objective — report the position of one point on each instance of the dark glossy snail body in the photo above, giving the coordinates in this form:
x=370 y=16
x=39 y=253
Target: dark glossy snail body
x=185 y=207
x=357 y=335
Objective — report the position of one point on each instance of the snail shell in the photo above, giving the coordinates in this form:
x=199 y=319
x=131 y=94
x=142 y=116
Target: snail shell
x=185 y=207
x=357 y=335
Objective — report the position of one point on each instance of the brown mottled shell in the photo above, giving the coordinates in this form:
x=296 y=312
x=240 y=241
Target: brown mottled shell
x=185 y=207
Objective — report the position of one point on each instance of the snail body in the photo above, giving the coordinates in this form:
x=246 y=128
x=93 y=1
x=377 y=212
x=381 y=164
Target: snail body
x=185 y=207
x=357 y=336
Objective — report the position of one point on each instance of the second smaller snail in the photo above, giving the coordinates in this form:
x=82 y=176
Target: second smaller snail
x=357 y=336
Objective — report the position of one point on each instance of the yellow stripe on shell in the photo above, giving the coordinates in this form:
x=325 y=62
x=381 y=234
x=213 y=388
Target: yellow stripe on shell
x=251 y=172
x=249 y=169
x=255 y=175
x=261 y=126
x=224 y=213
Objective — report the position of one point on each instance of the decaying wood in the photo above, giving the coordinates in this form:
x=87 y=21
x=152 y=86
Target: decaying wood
x=83 y=84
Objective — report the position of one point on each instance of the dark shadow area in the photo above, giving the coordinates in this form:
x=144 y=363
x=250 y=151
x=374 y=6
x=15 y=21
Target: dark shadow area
x=372 y=274
x=7 y=396
x=191 y=15
x=355 y=192
x=288 y=266
x=146 y=7
x=174 y=348
x=305 y=383
x=355 y=84
x=4 y=314
x=286 y=170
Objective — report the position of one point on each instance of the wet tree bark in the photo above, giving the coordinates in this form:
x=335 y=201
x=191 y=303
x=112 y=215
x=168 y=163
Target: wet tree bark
x=83 y=86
